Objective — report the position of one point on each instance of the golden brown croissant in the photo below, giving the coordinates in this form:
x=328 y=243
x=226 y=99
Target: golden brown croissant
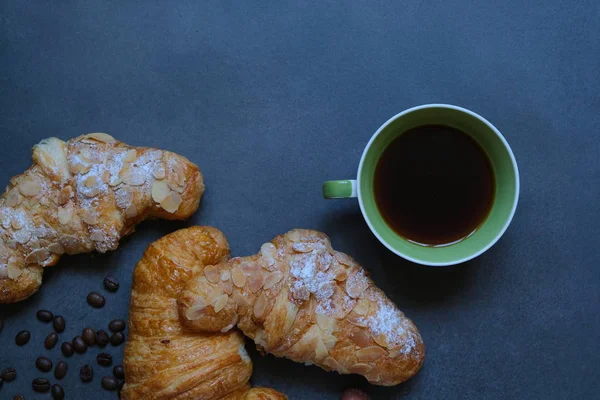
x=84 y=195
x=165 y=360
x=298 y=298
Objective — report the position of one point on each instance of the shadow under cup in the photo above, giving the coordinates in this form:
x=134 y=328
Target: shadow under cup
x=505 y=173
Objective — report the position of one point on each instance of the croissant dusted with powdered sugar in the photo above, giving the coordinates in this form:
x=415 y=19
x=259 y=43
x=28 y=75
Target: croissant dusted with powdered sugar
x=164 y=359
x=85 y=195
x=298 y=298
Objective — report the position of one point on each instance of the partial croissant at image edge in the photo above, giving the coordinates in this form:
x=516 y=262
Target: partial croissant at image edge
x=84 y=195
x=300 y=299
x=163 y=359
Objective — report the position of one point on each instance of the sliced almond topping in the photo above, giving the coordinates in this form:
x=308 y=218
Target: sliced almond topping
x=256 y=281
x=225 y=275
x=341 y=274
x=91 y=154
x=362 y=307
x=159 y=172
x=56 y=248
x=329 y=341
x=294 y=236
x=303 y=247
x=131 y=211
x=357 y=320
x=97 y=236
x=301 y=293
x=320 y=350
x=90 y=181
x=221 y=302
x=3 y=272
x=356 y=284
x=80 y=168
x=37 y=256
x=360 y=338
x=16 y=223
x=160 y=190
x=172 y=202
x=130 y=156
x=64 y=215
x=30 y=188
x=101 y=137
x=268 y=251
x=13 y=198
x=325 y=322
x=133 y=176
x=179 y=178
x=195 y=312
x=238 y=277
x=332 y=364
x=370 y=354
x=272 y=279
x=13 y=271
x=22 y=236
x=343 y=258
x=240 y=299
x=227 y=286
x=325 y=290
x=65 y=195
x=359 y=368
x=260 y=306
x=212 y=273
x=106 y=176
x=381 y=340
x=89 y=218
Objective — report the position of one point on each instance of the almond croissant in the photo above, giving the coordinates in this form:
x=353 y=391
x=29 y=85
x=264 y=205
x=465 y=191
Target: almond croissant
x=298 y=298
x=165 y=360
x=84 y=195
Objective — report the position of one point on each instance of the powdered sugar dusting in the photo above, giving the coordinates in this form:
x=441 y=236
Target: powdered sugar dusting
x=389 y=322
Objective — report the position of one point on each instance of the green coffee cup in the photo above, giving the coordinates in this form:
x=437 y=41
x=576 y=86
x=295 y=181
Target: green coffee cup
x=504 y=167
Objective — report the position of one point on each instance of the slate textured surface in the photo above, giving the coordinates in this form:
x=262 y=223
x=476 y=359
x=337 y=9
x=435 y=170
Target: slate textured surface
x=271 y=99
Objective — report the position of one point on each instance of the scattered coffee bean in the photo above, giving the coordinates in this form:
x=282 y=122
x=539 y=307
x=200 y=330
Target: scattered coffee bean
x=110 y=383
x=61 y=370
x=119 y=372
x=116 y=325
x=41 y=385
x=86 y=374
x=117 y=338
x=51 y=340
x=43 y=364
x=79 y=345
x=89 y=336
x=104 y=359
x=111 y=284
x=18 y=397
x=9 y=374
x=102 y=338
x=95 y=300
x=67 y=349
x=44 y=315
x=58 y=323
x=22 y=338
x=57 y=392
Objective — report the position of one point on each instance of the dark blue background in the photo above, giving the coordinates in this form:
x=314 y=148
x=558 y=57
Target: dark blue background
x=273 y=98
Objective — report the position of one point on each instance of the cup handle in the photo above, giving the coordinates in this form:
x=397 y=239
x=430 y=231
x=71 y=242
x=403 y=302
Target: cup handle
x=345 y=189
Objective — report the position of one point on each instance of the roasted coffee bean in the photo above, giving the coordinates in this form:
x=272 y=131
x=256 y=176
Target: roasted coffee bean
x=18 y=397
x=9 y=374
x=22 y=338
x=79 y=345
x=116 y=325
x=51 y=340
x=44 y=315
x=57 y=392
x=111 y=284
x=86 y=374
x=104 y=359
x=119 y=372
x=117 y=338
x=89 y=336
x=61 y=370
x=95 y=300
x=58 y=323
x=40 y=385
x=102 y=338
x=43 y=364
x=110 y=383
x=67 y=349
